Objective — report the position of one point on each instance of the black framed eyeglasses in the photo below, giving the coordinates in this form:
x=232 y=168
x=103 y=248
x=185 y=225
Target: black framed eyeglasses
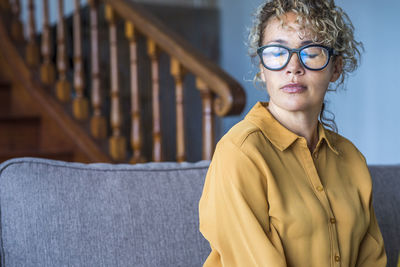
x=312 y=56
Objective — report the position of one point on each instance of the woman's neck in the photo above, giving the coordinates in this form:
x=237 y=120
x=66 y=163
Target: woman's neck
x=302 y=123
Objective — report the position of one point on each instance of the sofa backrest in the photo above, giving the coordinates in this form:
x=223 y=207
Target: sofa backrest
x=55 y=213
x=386 y=201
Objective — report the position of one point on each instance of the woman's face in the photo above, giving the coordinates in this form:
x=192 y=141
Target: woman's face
x=295 y=88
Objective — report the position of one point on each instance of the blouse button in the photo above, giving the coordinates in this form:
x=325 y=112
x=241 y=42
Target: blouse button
x=320 y=188
x=333 y=220
x=337 y=258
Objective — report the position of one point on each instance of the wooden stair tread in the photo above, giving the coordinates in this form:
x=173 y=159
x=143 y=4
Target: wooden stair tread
x=19 y=132
x=5 y=98
x=5 y=85
x=58 y=155
x=18 y=117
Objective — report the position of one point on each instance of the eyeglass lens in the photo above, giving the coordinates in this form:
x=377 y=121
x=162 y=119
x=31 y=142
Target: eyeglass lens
x=276 y=57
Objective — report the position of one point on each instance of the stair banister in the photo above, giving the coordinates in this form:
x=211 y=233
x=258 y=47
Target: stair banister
x=220 y=94
x=80 y=102
x=219 y=82
x=98 y=123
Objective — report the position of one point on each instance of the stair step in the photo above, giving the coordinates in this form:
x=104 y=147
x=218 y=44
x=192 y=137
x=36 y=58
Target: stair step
x=4 y=84
x=5 y=96
x=5 y=99
x=18 y=132
x=61 y=155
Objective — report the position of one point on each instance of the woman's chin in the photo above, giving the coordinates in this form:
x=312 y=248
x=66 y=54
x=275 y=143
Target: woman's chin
x=294 y=105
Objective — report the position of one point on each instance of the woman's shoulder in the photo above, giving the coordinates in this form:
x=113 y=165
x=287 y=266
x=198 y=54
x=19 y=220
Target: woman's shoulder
x=344 y=146
x=242 y=134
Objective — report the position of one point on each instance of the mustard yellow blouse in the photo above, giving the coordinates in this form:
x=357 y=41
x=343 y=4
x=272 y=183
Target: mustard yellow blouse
x=268 y=201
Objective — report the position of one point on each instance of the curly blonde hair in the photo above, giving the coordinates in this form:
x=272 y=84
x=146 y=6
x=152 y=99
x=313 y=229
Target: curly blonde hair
x=329 y=24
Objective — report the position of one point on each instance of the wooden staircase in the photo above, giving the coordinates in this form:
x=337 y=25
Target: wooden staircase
x=25 y=133
x=20 y=134
x=89 y=115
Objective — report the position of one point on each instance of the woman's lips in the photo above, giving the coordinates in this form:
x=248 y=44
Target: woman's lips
x=293 y=88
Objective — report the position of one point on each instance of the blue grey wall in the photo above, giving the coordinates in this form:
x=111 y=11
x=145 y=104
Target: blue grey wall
x=367 y=112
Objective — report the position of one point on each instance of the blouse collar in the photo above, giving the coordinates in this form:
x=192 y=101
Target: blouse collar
x=280 y=136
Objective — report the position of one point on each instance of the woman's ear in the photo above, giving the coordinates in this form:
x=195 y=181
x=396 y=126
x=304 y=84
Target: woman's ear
x=261 y=73
x=337 y=68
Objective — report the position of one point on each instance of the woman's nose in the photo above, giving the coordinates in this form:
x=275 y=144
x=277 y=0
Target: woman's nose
x=294 y=65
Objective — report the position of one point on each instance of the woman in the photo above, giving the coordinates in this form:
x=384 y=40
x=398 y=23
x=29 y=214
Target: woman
x=282 y=190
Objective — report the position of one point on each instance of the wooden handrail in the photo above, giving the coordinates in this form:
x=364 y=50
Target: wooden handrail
x=230 y=94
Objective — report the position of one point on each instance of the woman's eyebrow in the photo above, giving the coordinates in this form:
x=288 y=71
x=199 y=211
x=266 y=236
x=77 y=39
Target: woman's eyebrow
x=281 y=41
x=307 y=42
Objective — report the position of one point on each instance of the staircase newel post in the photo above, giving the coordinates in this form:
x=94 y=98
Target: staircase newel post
x=136 y=131
x=17 y=31
x=207 y=98
x=63 y=86
x=32 y=49
x=98 y=123
x=80 y=105
x=47 y=69
x=117 y=141
x=178 y=72
x=154 y=53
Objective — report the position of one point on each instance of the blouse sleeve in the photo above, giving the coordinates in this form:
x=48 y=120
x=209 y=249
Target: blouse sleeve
x=234 y=213
x=372 y=251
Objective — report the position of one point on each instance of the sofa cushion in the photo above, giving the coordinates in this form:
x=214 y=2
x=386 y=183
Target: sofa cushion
x=386 y=201
x=55 y=213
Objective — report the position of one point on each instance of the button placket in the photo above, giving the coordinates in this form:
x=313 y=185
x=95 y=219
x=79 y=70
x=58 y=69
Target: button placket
x=309 y=162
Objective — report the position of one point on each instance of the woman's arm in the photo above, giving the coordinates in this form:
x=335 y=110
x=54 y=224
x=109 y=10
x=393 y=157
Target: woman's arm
x=372 y=251
x=234 y=213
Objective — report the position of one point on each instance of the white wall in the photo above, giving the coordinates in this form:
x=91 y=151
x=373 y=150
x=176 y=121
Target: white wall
x=368 y=112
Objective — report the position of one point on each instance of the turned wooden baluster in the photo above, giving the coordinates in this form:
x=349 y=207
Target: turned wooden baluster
x=117 y=141
x=208 y=119
x=32 y=49
x=153 y=52
x=178 y=73
x=80 y=105
x=16 y=26
x=63 y=86
x=98 y=124
x=47 y=70
x=136 y=134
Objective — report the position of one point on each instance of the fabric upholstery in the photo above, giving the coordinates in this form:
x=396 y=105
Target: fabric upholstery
x=54 y=213
x=69 y=214
x=386 y=200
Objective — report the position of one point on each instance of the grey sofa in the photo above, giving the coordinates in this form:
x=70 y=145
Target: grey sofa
x=55 y=213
